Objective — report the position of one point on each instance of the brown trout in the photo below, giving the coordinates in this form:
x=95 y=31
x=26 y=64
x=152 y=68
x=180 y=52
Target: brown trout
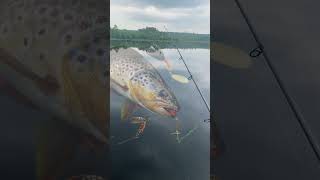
x=135 y=78
x=55 y=54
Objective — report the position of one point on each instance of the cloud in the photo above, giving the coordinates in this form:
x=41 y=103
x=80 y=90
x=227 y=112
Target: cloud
x=161 y=3
x=181 y=19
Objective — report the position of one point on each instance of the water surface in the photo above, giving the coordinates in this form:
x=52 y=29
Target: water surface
x=157 y=154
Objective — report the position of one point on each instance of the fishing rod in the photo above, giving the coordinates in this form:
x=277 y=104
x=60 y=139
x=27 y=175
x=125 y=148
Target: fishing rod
x=257 y=52
x=190 y=75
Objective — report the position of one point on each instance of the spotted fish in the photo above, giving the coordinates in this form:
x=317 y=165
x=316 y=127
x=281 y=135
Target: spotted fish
x=135 y=78
x=53 y=52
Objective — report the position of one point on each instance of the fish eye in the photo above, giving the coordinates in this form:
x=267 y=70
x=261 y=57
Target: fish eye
x=162 y=93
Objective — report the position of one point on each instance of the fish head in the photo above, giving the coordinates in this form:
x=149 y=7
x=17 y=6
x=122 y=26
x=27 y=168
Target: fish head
x=150 y=91
x=156 y=53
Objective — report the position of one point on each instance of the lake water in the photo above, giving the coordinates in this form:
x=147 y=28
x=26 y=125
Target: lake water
x=156 y=154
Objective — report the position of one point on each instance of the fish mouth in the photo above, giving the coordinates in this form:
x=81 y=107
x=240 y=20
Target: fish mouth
x=171 y=111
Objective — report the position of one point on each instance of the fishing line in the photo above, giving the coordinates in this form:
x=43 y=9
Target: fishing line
x=190 y=132
x=261 y=51
x=190 y=75
x=127 y=140
x=199 y=91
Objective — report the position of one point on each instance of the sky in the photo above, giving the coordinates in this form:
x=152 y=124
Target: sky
x=176 y=15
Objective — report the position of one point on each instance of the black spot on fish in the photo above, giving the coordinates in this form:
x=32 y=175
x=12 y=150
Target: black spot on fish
x=42 y=10
x=25 y=41
x=96 y=40
x=19 y=18
x=41 y=56
x=100 y=52
x=105 y=73
x=84 y=25
x=42 y=32
x=81 y=58
x=5 y=30
x=68 y=39
x=101 y=19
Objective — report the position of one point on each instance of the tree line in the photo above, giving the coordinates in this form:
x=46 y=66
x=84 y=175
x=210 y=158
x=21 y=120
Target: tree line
x=153 y=34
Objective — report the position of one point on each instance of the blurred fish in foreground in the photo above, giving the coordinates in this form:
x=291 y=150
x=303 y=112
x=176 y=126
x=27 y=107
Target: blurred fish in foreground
x=55 y=58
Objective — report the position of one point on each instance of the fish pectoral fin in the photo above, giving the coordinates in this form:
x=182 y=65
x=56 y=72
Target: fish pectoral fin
x=122 y=87
x=139 y=120
x=141 y=128
x=48 y=84
x=168 y=64
x=128 y=109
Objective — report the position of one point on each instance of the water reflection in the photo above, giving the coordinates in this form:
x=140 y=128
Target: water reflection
x=156 y=153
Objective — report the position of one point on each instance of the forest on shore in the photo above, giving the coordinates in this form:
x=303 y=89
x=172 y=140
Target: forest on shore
x=153 y=34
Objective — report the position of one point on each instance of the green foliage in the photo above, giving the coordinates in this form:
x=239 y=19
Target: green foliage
x=144 y=45
x=153 y=34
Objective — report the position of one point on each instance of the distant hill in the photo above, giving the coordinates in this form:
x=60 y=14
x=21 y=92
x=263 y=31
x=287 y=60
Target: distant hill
x=153 y=34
